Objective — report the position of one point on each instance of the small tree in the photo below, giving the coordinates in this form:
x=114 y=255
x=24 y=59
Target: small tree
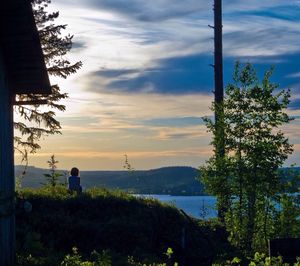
x=247 y=177
x=53 y=177
x=127 y=166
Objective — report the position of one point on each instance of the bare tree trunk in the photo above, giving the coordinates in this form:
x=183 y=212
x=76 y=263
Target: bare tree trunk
x=218 y=59
x=219 y=96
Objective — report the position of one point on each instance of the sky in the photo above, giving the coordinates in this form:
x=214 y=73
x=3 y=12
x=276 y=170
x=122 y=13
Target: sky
x=146 y=80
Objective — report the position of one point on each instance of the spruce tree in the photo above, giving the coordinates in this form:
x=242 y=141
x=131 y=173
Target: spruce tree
x=34 y=122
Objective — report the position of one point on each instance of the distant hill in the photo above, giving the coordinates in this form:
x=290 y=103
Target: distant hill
x=178 y=180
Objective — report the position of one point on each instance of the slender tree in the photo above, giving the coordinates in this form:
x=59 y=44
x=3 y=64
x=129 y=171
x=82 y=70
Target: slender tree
x=33 y=121
x=255 y=148
x=53 y=177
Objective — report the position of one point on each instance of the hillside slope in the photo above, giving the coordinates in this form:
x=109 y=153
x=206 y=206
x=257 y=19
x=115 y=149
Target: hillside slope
x=121 y=224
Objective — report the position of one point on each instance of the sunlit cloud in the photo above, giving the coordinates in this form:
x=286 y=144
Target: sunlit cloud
x=146 y=80
x=132 y=154
x=256 y=36
x=181 y=133
x=148 y=106
x=291 y=130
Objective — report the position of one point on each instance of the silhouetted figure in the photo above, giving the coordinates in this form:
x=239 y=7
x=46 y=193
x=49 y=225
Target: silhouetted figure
x=74 y=181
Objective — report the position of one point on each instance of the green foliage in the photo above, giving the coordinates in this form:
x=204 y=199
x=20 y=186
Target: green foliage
x=29 y=260
x=100 y=219
x=96 y=259
x=75 y=259
x=287 y=219
x=103 y=258
x=246 y=180
x=260 y=259
x=18 y=183
x=288 y=224
x=53 y=177
x=34 y=122
x=168 y=253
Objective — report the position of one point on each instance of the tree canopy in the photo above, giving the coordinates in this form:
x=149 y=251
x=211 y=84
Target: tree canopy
x=247 y=177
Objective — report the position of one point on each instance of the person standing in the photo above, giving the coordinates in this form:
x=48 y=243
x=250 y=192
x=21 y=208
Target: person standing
x=74 y=181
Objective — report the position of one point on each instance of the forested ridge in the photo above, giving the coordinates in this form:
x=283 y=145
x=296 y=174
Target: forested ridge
x=167 y=180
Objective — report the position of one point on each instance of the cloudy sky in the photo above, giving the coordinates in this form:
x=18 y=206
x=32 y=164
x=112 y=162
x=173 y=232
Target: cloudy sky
x=146 y=80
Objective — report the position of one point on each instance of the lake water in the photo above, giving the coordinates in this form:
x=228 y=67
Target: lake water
x=197 y=206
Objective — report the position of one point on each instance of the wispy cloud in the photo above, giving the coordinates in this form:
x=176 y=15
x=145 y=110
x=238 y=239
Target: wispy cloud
x=189 y=132
x=146 y=79
x=177 y=75
x=131 y=154
x=294 y=75
x=147 y=11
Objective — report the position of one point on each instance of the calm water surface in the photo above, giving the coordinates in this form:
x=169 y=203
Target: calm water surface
x=197 y=206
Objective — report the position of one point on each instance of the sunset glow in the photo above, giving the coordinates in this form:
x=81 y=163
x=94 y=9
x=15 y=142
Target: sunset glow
x=146 y=80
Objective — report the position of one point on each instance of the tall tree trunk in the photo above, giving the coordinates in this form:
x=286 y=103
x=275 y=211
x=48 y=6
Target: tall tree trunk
x=250 y=222
x=219 y=96
x=218 y=59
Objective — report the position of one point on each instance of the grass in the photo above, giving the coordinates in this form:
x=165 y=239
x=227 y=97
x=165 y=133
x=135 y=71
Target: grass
x=114 y=222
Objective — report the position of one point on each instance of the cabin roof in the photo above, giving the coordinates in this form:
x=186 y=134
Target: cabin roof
x=21 y=49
